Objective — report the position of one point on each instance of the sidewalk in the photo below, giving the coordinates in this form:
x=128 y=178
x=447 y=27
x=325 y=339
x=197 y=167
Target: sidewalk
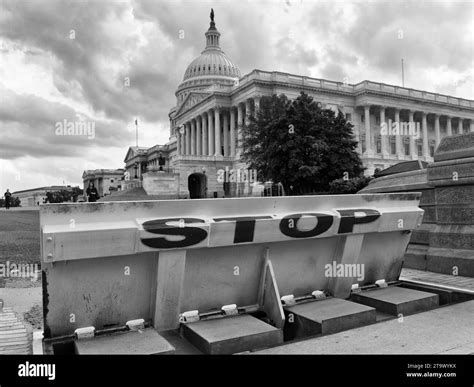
x=459 y=283
x=446 y=330
x=32 y=208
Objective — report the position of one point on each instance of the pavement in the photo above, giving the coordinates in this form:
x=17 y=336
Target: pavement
x=22 y=299
x=446 y=330
x=453 y=282
x=32 y=208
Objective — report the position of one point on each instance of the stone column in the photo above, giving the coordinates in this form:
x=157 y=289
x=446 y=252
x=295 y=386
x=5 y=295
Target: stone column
x=398 y=138
x=449 y=129
x=368 y=135
x=188 y=138
x=193 y=137
x=226 y=134
x=256 y=102
x=198 y=136
x=178 y=142
x=232 y=132
x=412 y=124
x=240 y=118
x=383 y=137
x=460 y=131
x=211 y=134
x=204 y=135
x=183 y=139
x=471 y=128
x=424 y=126
x=217 y=131
x=247 y=112
x=436 y=127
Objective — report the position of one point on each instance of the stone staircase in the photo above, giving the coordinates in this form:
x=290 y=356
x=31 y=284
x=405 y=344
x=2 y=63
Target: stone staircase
x=15 y=339
x=134 y=194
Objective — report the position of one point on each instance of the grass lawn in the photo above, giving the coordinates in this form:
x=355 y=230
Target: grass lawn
x=19 y=236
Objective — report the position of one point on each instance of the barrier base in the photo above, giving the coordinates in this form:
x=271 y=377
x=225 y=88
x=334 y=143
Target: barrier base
x=325 y=317
x=231 y=334
x=144 y=342
x=396 y=300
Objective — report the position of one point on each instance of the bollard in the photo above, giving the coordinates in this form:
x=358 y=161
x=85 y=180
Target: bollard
x=160 y=259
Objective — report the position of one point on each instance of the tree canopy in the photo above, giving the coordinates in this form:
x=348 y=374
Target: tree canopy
x=299 y=144
x=63 y=195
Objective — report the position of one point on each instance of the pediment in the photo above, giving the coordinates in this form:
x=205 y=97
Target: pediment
x=191 y=99
x=130 y=154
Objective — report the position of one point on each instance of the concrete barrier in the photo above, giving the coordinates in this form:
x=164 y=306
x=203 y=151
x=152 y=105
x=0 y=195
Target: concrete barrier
x=108 y=263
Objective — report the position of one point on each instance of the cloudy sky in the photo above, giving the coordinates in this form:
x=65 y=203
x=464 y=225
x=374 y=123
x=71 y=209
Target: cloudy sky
x=109 y=62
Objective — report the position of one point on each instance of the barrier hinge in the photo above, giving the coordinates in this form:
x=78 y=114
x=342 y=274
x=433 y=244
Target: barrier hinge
x=135 y=325
x=230 y=310
x=355 y=288
x=190 y=316
x=288 y=300
x=319 y=294
x=84 y=333
x=381 y=283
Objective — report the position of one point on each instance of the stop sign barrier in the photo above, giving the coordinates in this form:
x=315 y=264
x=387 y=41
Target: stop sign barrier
x=108 y=263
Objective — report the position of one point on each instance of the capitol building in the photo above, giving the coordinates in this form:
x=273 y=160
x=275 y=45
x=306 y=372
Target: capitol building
x=214 y=102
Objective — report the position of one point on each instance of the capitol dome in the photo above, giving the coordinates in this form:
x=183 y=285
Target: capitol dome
x=212 y=63
x=212 y=67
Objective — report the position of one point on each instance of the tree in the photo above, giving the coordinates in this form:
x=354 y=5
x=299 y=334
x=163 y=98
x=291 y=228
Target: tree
x=14 y=202
x=350 y=186
x=300 y=144
x=64 y=195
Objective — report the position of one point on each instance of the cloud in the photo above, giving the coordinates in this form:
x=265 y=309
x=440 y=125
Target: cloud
x=47 y=77
x=29 y=126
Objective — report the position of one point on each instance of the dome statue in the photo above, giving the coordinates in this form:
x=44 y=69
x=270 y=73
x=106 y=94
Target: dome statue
x=212 y=67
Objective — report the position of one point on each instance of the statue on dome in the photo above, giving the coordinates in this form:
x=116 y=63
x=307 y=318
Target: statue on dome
x=212 y=14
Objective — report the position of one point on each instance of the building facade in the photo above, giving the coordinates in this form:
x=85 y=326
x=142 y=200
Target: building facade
x=105 y=181
x=214 y=102
x=36 y=196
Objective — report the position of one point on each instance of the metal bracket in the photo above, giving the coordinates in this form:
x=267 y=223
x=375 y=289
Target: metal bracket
x=84 y=333
x=381 y=283
x=135 y=325
x=355 y=288
x=319 y=294
x=230 y=310
x=190 y=316
x=288 y=300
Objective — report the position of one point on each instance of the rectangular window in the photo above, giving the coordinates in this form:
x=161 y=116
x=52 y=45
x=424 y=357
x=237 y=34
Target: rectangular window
x=420 y=150
x=362 y=144
x=361 y=118
x=348 y=117
x=377 y=120
x=393 y=148
x=379 y=146
x=432 y=150
x=407 y=149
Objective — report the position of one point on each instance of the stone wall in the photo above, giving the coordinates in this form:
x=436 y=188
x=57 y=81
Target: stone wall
x=161 y=183
x=445 y=241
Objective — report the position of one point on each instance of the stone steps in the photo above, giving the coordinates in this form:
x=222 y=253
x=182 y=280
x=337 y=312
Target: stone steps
x=14 y=337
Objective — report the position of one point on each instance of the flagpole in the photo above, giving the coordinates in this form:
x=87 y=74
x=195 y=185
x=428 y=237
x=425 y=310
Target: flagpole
x=136 y=131
x=403 y=75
